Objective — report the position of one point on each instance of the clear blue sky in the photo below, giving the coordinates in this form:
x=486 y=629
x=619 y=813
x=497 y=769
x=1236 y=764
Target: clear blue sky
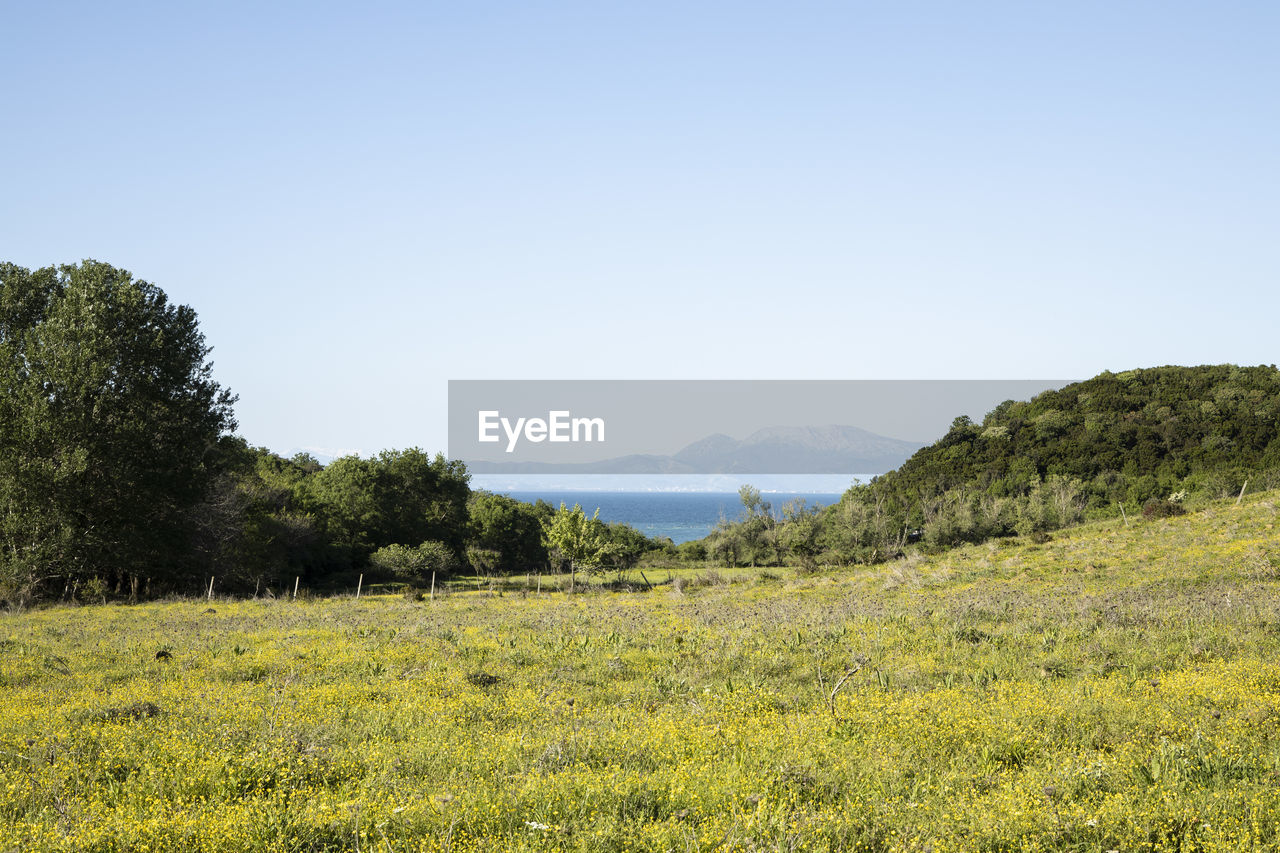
x=362 y=201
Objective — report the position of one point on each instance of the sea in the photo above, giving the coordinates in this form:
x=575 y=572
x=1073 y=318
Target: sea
x=678 y=516
x=679 y=507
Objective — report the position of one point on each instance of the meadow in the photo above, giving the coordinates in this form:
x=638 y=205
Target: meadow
x=1116 y=688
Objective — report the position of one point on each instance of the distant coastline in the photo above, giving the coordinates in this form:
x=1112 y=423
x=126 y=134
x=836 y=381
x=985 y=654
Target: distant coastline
x=784 y=450
x=678 y=516
x=670 y=483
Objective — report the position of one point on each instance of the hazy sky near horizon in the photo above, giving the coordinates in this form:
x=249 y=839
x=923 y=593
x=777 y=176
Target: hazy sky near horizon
x=363 y=201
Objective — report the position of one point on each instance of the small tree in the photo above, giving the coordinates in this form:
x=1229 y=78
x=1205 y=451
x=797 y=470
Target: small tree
x=578 y=540
x=418 y=562
x=799 y=533
x=756 y=528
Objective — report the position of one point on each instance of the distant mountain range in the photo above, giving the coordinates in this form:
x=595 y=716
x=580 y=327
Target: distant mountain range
x=773 y=450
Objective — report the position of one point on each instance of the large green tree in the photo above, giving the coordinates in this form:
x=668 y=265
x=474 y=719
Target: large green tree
x=108 y=420
x=509 y=530
x=399 y=497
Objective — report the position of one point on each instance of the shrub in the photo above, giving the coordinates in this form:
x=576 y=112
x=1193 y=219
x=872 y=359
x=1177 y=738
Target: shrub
x=1155 y=508
x=418 y=561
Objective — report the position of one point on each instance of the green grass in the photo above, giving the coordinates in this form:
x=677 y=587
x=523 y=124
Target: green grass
x=1116 y=688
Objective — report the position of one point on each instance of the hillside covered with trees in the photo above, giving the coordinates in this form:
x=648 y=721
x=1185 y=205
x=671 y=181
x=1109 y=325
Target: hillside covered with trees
x=1141 y=441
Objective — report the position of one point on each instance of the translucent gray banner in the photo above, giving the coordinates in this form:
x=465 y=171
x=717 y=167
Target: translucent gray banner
x=666 y=427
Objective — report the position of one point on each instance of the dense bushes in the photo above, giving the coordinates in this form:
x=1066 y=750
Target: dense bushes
x=1118 y=442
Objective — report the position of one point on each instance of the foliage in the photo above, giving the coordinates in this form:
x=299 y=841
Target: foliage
x=625 y=546
x=397 y=497
x=800 y=531
x=1087 y=450
x=510 y=529
x=253 y=529
x=267 y=519
x=588 y=543
x=418 y=562
x=692 y=552
x=108 y=421
x=752 y=539
x=578 y=541
x=1148 y=429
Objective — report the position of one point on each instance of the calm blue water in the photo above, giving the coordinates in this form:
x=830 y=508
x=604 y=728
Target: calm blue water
x=679 y=516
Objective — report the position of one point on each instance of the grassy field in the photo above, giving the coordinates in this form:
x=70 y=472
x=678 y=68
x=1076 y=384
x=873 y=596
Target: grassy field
x=1117 y=688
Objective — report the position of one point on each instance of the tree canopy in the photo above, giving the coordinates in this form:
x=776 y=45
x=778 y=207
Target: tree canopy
x=108 y=419
x=509 y=530
x=400 y=497
x=1087 y=449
